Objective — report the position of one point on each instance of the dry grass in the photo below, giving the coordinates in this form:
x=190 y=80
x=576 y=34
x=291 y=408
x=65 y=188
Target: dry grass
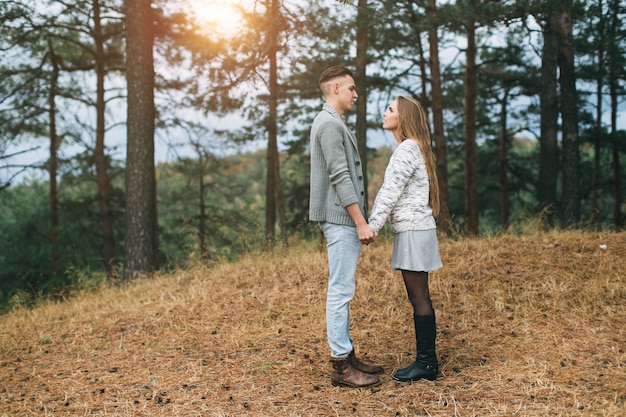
x=529 y=326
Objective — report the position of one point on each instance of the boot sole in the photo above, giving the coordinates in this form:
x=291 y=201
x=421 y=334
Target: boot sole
x=344 y=384
x=427 y=378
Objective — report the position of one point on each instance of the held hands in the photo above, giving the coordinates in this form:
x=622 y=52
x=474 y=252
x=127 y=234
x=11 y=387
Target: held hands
x=366 y=234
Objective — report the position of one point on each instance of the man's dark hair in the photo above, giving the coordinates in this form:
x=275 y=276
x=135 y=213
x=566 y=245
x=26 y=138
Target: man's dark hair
x=334 y=72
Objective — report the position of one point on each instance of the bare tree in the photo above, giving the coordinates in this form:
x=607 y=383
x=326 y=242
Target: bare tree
x=569 y=115
x=616 y=68
x=471 y=198
x=141 y=214
x=104 y=187
x=274 y=195
x=53 y=159
x=438 y=136
x=360 y=79
x=548 y=148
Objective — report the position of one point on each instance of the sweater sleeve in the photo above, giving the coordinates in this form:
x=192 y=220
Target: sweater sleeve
x=332 y=145
x=399 y=170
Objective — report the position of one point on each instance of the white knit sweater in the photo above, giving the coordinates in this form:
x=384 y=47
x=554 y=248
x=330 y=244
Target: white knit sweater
x=403 y=197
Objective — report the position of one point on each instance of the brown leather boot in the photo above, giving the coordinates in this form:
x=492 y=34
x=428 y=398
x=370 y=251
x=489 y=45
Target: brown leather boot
x=364 y=367
x=344 y=375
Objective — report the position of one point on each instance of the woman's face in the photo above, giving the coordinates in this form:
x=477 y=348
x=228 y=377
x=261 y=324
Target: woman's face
x=390 y=116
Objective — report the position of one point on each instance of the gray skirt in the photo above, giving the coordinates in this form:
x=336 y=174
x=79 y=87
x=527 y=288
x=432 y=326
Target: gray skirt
x=416 y=250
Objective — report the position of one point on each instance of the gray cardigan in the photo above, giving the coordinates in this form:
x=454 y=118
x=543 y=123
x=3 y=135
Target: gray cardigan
x=403 y=197
x=336 y=170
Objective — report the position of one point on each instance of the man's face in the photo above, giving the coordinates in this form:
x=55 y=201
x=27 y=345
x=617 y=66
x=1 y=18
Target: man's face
x=346 y=92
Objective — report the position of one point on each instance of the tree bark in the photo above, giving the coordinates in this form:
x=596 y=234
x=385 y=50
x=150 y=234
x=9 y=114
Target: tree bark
x=53 y=160
x=471 y=199
x=595 y=176
x=202 y=218
x=614 y=69
x=548 y=148
x=360 y=79
x=141 y=214
x=504 y=183
x=274 y=195
x=618 y=218
x=423 y=75
x=272 y=158
x=438 y=136
x=569 y=115
x=415 y=20
x=104 y=188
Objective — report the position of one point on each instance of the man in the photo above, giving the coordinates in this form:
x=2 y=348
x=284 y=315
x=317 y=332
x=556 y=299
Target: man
x=338 y=205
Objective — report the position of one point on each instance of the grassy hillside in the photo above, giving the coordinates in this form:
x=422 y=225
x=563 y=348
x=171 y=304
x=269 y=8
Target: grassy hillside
x=528 y=325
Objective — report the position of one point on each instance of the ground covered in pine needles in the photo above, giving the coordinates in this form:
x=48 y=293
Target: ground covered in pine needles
x=528 y=325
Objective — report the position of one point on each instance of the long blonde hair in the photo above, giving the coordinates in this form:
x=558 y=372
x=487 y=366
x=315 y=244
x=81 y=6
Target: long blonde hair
x=413 y=124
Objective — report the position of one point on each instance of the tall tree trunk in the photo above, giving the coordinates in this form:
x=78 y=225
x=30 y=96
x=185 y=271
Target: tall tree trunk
x=360 y=79
x=438 y=131
x=618 y=218
x=615 y=68
x=593 y=199
x=504 y=183
x=53 y=161
x=471 y=199
x=202 y=216
x=548 y=147
x=280 y=198
x=569 y=115
x=415 y=21
x=104 y=187
x=423 y=75
x=141 y=214
x=273 y=176
x=272 y=166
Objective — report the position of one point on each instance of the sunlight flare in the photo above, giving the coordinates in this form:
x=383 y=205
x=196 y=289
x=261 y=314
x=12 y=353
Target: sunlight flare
x=222 y=17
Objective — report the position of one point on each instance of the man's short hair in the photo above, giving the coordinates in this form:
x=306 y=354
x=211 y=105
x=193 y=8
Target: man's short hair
x=334 y=72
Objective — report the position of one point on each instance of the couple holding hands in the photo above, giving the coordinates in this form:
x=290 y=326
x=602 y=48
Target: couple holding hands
x=408 y=198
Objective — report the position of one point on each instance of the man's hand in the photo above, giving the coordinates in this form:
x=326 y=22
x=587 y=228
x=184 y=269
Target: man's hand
x=363 y=230
x=366 y=234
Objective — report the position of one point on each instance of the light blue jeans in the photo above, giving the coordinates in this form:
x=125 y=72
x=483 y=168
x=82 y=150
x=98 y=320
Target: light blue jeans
x=343 y=247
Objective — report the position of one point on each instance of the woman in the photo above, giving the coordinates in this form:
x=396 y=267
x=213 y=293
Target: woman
x=409 y=197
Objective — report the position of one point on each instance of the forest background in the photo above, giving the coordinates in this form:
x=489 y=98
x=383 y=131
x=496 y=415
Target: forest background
x=524 y=99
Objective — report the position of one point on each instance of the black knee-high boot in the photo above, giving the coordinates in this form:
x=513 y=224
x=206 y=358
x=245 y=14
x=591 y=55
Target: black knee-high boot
x=425 y=365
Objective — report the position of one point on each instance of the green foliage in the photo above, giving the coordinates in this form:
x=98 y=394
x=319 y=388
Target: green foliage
x=26 y=271
x=233 y=198
x=24 y=253
x=234 y=202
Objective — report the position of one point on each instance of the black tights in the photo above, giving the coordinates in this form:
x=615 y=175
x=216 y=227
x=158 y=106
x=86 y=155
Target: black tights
x=417 y=289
